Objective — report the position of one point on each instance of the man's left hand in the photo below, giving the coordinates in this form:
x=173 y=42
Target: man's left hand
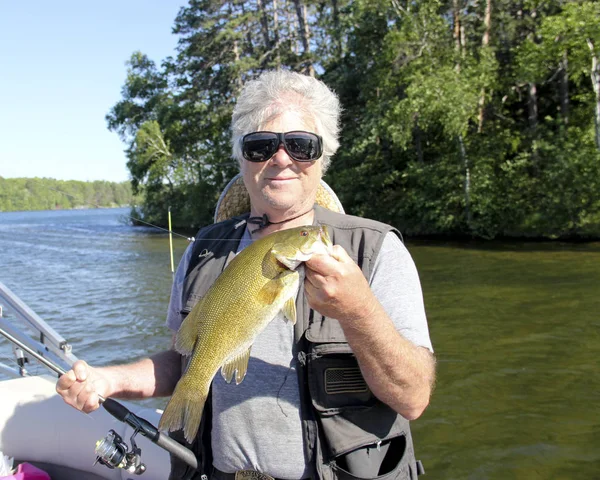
x=336 y=287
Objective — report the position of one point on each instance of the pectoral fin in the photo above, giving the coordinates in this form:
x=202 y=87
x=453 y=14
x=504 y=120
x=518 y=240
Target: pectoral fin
x=281 y=288
x=188 y=333
x=289 y=310
x=237 y=365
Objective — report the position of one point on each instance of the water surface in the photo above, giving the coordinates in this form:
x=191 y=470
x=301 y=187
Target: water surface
x=516 y=332
x=514 y=325
x=101 y=283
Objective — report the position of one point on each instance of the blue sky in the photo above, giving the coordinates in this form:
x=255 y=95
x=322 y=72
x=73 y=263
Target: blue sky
x=62 y=66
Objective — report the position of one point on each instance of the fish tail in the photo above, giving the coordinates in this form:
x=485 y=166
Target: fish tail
x=184 y=410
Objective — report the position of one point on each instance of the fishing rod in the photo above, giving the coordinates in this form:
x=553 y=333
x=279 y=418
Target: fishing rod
x=112 y=451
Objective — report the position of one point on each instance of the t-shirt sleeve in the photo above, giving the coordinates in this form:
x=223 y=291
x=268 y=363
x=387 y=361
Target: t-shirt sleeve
x=395 y=282
x=176 y=301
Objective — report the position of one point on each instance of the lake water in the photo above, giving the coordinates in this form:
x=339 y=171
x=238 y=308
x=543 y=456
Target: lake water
x=515 y=327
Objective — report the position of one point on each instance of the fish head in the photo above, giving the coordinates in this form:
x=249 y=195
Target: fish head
x=299 y=244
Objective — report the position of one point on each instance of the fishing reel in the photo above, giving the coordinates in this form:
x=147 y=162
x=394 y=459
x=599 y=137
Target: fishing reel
x=113 y=452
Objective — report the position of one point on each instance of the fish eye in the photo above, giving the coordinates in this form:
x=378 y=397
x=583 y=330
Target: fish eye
x=304 y=233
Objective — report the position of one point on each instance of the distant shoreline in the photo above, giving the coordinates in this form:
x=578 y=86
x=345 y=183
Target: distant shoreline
x=91 y=207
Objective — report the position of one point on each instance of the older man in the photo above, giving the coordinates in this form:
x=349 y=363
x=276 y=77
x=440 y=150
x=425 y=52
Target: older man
x=334 y=394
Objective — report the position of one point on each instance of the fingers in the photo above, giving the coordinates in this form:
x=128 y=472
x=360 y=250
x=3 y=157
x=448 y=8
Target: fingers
x=81 y=370
x=328 y=264
x=338 y=252
x=89 y=402
x=335 y=286
x=77 y=388
x=78 y=373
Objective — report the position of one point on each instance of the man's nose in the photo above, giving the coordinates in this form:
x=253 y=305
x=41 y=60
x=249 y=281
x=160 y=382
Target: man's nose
x=281 y=156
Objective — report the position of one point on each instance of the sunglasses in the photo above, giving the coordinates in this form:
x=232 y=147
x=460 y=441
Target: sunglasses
x=301 y=146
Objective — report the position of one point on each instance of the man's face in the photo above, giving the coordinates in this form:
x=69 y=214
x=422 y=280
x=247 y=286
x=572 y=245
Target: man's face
x=281 y=185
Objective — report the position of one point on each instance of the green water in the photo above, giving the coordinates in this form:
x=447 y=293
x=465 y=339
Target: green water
x=516 y=333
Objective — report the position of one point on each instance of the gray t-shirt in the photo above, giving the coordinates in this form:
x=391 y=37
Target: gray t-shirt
x=256 y=424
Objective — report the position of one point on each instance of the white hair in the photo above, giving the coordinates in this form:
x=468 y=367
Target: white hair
x=276 y=92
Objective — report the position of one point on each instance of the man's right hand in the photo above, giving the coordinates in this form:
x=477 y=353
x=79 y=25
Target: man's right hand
x=81 y=386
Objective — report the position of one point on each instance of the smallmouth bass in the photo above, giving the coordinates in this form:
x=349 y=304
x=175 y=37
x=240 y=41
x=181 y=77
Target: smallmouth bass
x=218 y=333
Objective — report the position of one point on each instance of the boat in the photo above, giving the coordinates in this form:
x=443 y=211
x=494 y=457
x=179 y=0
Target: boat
x=39 y=428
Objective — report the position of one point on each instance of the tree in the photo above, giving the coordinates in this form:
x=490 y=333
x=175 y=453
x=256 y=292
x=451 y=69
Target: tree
x=460 y=117
x=49 y=194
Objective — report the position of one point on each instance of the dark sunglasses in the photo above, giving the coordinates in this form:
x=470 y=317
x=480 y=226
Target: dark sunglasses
x=301 y=146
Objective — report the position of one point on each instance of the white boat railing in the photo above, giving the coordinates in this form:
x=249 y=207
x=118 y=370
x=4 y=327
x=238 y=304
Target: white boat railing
x=21 y=322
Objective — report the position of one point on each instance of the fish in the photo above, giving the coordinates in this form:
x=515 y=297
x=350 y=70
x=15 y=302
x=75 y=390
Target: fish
x=218 y=333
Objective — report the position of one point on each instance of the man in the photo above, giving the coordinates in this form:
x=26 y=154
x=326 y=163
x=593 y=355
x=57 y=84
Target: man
x=334 y=394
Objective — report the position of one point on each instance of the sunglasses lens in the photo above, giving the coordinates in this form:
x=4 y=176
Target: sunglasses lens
x=260 y=146
x=303 y=146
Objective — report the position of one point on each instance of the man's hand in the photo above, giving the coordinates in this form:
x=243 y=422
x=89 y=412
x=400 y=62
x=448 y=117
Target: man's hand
x=81 y=385
x=336 y=287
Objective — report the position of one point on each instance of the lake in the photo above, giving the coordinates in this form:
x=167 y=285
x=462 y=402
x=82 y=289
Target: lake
x=515 y=327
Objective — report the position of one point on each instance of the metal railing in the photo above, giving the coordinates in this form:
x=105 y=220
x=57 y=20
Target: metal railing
x=21 y=322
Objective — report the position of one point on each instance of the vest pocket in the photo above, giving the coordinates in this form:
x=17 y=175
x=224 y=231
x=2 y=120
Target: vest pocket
x=389 y=460
x=364 y=438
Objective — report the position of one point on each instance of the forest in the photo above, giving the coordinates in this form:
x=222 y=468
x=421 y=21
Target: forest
x=476 y=118
x=21 y=194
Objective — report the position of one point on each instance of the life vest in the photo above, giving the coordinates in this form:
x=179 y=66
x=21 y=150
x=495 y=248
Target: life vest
x=345 y=425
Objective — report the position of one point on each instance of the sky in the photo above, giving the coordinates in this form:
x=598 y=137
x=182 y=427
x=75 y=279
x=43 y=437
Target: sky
x=62 y=66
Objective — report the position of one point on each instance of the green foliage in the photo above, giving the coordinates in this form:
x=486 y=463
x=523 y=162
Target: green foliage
x=20 y=194
x=444 y=131
x=558 y=35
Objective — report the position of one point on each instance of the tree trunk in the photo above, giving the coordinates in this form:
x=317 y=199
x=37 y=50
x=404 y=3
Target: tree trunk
x=264 y=21
x=336 y=27
x=485 y=42
x=532 y=117
x=532 y=107
x=236 y=56
x=418 y=134
x=248 y=44
x=304 y=34
x=456 y=34
x=292 y=28
x=467 y=181
x=564 y=88
x=276 y=34
x=459 y=38
x=595 y=75
x=236 y=53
